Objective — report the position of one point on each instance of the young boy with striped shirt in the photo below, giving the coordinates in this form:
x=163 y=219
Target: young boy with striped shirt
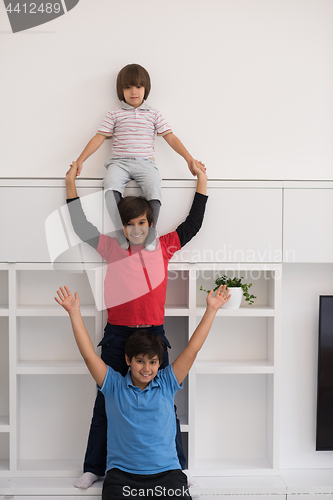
x=133 y=126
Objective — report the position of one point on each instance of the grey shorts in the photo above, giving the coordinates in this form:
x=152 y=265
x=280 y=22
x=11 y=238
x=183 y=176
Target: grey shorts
x=142 y=170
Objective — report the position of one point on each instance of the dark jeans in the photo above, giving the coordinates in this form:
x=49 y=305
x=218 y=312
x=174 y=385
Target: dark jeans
x=113 y=354
x=119 y=485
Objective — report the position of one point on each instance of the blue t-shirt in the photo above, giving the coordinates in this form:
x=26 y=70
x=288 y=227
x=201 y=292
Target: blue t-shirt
x=141 y=424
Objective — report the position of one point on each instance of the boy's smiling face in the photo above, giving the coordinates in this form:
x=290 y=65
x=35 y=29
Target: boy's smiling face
x=143 y=369
x=136 y=230
x=134 y=95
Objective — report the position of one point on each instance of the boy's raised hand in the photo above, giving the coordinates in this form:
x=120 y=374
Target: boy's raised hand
x=67 y=301
x=198 y=168
x=221 y=297
x=72 y=172
x=200 y=171
x=71 y=304
x=79 y=167
x=195 y=166
x=70 y=181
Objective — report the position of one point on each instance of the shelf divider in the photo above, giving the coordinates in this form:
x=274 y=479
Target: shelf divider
x=250 y=311
x=51 y=368
x=236 y=367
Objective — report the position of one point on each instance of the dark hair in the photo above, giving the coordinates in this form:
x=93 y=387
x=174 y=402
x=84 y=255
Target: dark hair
x=132 y=74
x=146 y=343
x=132 y=207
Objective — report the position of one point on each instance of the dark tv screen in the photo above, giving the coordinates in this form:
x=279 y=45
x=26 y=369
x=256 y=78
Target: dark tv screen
x=324 y=439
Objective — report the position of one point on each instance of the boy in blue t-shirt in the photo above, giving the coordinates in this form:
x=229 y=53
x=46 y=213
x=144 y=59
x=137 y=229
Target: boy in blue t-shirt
x=142 y=458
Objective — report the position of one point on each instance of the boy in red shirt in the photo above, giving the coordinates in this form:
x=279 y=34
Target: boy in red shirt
x=134 y=292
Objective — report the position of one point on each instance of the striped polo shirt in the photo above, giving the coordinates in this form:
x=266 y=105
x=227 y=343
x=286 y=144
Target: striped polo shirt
x=133 y=130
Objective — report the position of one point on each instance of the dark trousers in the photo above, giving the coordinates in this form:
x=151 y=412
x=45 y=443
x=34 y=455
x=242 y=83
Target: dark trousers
x=113 y=354
x=120 y=485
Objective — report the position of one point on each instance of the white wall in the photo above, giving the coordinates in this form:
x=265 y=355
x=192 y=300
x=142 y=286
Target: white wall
x=246 y=84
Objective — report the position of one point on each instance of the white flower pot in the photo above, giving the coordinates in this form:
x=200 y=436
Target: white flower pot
x=236 y=298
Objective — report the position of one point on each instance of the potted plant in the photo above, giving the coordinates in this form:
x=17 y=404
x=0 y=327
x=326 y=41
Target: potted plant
x=239 y=290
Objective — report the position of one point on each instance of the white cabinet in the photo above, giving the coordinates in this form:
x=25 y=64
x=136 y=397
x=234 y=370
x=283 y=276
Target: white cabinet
x=240 y=225
x=309 y=484
x=308 y=229
x=43 y=378
x=229 y=407
x=35 y=224
x=46 y=488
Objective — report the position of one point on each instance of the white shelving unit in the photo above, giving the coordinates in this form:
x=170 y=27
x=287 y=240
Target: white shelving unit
x=4 y=371
x=236 y=377
x=230 y=405
x=45 y=386
x=47 y=394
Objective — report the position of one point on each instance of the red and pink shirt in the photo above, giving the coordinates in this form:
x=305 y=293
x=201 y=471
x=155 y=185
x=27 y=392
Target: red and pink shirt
x=136 y=280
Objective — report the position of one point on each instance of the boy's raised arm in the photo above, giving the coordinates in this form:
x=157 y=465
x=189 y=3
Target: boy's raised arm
x=181 y=366
x=71 y=304
x=70 y=181
x=202 y=178
x=85 y=230
x=189 y=228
